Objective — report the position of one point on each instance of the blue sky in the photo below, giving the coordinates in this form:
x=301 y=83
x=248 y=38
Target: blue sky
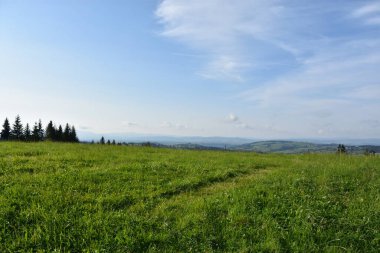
x=248 y=68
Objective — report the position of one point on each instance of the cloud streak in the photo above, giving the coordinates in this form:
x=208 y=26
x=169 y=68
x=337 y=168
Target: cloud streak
x=216 y=27
x=238 y=37
x=369 y=12
x=319 y=63
x=367 y=9
x=340 y=86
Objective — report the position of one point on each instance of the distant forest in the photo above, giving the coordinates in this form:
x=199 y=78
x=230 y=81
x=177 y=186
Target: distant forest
x=37 y=133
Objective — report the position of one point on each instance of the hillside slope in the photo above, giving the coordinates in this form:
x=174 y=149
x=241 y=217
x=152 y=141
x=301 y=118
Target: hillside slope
x=57 y=197
x=295 y=147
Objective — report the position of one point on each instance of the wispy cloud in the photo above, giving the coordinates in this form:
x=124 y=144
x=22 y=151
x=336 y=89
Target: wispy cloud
x=328 y=68
x=224 y=67
x=340 y=72
x=236 y=122
x=339 y=87
x=216 y=27
x=367 y=9
x=369 y=13
x=243 y=35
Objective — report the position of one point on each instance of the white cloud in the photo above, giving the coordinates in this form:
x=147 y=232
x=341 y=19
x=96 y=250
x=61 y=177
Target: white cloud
x=366 y=10
x=369 y=13
x=238 y=36
x=225 y=67
x=328 y=71
x=341 y=71
x=236 y=122
x=339 y=84
x=216 y=27
x=232 y=118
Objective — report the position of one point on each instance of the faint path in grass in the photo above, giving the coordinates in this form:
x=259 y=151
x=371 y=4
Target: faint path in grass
x=233 y=182
x=230 y=180
x=202 y=190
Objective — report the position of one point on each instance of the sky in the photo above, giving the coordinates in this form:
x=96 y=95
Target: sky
x=249 y=68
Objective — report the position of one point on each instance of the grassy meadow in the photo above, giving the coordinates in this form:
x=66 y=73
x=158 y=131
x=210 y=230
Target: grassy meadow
x=57 y=197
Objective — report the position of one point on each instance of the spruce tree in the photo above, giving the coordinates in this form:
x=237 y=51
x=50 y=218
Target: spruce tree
x=66 y=133
x=27 y=134
x=17 y=131
x=102 y=140
x=113 y=142
x=41 y=132
x=50 y=132
x=6 y=132
x=73 y=135
x=35 y=132
x=108 y=142
x=59 y=134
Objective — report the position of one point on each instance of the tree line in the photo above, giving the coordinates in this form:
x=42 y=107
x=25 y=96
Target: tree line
x=37 y=133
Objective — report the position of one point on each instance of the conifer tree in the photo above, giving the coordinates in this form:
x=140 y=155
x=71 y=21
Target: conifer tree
x=27 y=134
x=6 y=132
x=109 y=142
x=41 y=132
x=50 y=132
x=66 y=133
x=17 y=131
x=113 y=142
x=36 y=132
x=59 y=134
x=102 y=140
x=73 y=135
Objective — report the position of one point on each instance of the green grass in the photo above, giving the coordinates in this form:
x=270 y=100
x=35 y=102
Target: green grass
x=93 y=198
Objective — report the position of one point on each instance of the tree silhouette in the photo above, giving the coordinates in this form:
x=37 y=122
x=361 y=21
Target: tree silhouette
x=41 y=131
x=6 y=132
x=66 y=133
x=73 y=135
x=102 y=140
x=113 y=142
x=341 y=149
x=27 y=134
x=35 y=132
x=17 y=131
x=59 y=134
x=50 y=132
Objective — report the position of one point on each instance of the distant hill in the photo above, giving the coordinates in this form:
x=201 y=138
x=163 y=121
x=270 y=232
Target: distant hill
x=216 y=142
x=286 y=147
x=294 y=147
x=193 y=146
